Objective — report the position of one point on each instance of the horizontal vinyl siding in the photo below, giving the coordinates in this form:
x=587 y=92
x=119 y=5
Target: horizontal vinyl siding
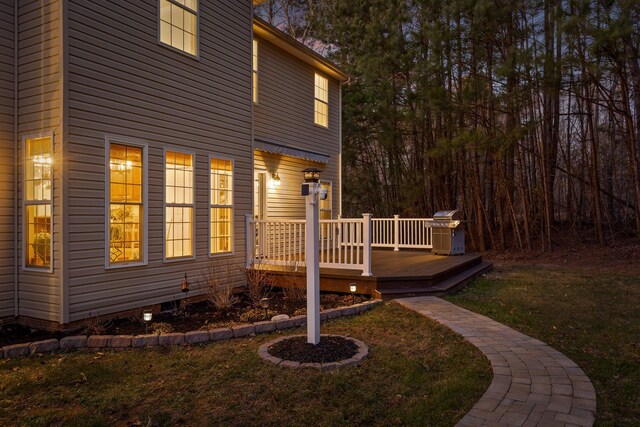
x=39 y=111
x=285 y=201
x=7 y=145
x=123 y=84
x=285 y=110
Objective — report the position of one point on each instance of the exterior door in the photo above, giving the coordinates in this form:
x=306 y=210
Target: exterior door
x=260 y=207
x=260 y=195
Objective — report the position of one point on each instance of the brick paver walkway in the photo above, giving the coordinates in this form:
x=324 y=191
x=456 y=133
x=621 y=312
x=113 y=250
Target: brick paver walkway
x=533 y=384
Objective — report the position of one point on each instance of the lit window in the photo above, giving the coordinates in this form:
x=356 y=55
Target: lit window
x=221 y=199
x=179 y=24
x=325 y=205
x=255 y=71
x=38 y=201
x=322 y=101
x=179 y=205
x=126 y=209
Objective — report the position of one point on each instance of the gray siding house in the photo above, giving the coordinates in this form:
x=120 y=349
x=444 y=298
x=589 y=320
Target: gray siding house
x=135 y=138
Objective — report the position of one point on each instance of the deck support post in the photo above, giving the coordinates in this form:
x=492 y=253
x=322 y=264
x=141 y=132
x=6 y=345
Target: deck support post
x=250 y=240
x=366 y=245
x=396 y=233
x=312 y=241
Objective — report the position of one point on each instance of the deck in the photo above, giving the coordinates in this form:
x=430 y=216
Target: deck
x=399 y=274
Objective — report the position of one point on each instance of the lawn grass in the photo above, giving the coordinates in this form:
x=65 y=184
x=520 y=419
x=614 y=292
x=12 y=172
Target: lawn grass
x=592 y=317
x=418 y=373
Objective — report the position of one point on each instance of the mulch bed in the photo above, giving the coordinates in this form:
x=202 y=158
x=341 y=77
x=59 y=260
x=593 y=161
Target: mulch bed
x=330 y=349
x=196 y=316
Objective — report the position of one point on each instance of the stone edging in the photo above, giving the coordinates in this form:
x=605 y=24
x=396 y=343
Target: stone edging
x=101 y=342
x=363 y=352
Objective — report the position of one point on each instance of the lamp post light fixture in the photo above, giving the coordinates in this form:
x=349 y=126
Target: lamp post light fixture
x=147 y=316
x=311 y=174
x=353 y=288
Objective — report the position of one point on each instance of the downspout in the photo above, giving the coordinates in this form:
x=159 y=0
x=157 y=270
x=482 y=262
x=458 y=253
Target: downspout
x=16 y=286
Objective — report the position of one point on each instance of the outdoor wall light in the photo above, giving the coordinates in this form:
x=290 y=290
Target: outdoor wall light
x=275 y=180
x=185 y=284
x=311 y=174
x=147 y=316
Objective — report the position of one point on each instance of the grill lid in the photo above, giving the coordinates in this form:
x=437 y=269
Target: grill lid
x=447 y=219
x=448 y=215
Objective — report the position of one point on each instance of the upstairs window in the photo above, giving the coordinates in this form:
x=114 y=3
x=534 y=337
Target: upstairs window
x=126 y=204
x=179 y=205
x=322 y=101
x=255 y=71
x=221 y=207
x=179 y=25
x=38 y=183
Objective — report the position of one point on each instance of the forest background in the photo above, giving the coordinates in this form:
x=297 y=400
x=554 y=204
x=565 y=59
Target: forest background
x=523 y=114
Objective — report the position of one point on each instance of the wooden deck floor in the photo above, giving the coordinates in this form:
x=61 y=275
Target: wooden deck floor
x=399 y=273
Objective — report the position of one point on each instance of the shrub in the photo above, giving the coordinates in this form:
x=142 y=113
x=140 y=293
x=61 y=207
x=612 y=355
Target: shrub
x=293 y=286
x=216 y=281
x=95 y=326
x=259 y=282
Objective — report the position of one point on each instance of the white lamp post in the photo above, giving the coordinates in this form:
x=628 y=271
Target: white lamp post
x=311 y=191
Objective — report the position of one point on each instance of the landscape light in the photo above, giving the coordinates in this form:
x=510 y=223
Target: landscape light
x=147 y=316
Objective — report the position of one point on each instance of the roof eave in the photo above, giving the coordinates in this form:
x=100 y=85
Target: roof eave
x=273 y=35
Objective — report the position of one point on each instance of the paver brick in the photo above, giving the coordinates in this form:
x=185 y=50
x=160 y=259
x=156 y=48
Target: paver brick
x=266 y=326
x=148 y=340
x=120 y=341
x=73 y=342
x=15 y=350
x=45 y=346
x=173 y=338
x=196 y=337
x=98 y=341
x=220 y=334
x=243 y=330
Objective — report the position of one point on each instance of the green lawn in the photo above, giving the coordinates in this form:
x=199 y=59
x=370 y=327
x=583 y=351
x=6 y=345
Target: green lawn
x=594 y=318
x=418 y=373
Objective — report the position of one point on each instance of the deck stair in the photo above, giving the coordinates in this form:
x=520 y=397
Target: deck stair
x=447 y=286
x=398 y=274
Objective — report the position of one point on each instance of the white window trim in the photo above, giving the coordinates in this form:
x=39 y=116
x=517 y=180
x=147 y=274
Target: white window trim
x=175 y=49
x=164 y=207
x=233 y=207
x=326 y=181
x=318 y=99
x=255 y=50
x=107 y=200
x=25 y=204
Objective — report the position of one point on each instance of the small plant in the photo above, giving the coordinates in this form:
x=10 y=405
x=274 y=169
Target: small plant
x=292 y=285
x=95 y=326
x=161 y=328
x=256 y=314
x=259 y=282
x=216 y=281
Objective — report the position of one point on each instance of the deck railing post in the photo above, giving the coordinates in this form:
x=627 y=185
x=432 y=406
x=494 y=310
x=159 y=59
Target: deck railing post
x=250 y=240
x=366 y=244
x=396 y=233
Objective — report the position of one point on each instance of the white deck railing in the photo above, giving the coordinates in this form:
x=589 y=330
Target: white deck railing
x=401 y=233
x=345 y=243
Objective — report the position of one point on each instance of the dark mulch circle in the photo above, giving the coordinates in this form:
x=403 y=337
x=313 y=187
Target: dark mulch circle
x=330 y=349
